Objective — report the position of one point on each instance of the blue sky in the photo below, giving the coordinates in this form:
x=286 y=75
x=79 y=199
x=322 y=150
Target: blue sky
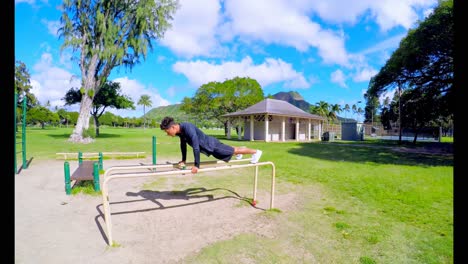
x=324 y=50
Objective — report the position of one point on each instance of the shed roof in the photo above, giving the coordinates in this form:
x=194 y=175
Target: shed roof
x=274 y=107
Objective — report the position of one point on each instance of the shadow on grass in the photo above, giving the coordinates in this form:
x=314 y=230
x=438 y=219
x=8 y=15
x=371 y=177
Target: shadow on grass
x=66 y=136
x=362 y=153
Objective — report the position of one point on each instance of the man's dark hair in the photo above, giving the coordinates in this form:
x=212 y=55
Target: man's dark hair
x=166 y=123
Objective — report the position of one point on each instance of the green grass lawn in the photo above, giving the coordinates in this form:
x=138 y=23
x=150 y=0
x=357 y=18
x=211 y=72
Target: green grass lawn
x=361 y=204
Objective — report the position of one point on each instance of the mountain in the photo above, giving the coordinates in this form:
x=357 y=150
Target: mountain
x=160 y=112
x=293 y=98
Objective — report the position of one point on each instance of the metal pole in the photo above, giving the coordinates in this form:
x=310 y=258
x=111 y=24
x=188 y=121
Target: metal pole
x=96 y=176
x=399 y=113
x=154 y=150
x=254 y=199
x=23 y=133
x=16 y=98
x=101 y=166
x=80 y=157
x=66 y=169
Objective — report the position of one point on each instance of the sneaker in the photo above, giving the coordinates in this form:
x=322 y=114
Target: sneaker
x=239 y=156
x=256 y=156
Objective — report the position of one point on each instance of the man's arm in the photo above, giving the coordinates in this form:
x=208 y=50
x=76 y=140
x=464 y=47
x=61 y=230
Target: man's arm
x=183 y=149
x=192 y=134
x=196 y=151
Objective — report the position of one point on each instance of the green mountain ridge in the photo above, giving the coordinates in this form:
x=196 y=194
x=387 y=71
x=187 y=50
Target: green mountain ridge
x=292 y=97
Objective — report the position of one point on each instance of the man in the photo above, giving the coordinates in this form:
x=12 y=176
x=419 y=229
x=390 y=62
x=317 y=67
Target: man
x=200 y=142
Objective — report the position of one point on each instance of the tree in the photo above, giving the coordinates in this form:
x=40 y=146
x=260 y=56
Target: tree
x=107 y=34
x=418 y=110
x=423 y=61
x=42 y=115
x=214 y=99
x=107 y=96
x=23 y=85
x=145 y=100
x=346 y=109
x=320 y=108
x=335 y=109
x=372 y=103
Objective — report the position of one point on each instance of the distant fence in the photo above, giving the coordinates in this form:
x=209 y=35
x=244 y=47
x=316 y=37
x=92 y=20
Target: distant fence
x=377 y=130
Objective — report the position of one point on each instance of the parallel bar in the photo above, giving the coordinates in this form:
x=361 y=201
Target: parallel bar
x=108 y=177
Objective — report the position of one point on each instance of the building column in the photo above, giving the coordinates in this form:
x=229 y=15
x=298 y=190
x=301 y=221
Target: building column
x=251 y=128
x=297 y=128
x=283 y=124
x=308 y=131
x=320 y=130
x=229 y=128
x=240 y=129
x=266 y=128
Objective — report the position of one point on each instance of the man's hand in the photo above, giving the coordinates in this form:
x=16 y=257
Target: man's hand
x=194 y=169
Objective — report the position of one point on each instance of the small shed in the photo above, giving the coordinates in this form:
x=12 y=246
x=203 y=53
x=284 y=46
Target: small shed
x=275 y=120
x=352 y=131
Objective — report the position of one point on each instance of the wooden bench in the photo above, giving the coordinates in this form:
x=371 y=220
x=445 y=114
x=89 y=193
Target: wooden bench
x=87 y=170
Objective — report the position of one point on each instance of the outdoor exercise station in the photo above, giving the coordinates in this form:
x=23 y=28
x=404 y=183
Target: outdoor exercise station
x=86 y=170
x=130 y=171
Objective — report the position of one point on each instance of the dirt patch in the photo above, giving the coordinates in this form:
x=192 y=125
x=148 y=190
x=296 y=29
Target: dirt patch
x=150 y=226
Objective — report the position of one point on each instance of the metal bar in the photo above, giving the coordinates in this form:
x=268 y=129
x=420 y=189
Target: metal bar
x=107 y=178
x=66 y=169
x=23 y=132
x=154 y=150
x=254 y=199
x=96 y=176
x=16 y=99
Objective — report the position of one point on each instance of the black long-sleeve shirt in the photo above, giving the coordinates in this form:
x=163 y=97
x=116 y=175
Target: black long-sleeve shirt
x=199 y=141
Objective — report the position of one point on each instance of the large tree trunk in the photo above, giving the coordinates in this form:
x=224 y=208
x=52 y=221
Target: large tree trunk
x=96 y=125
x=83 y=121
x=89 y=83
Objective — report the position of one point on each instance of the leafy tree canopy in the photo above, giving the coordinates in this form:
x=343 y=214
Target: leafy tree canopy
x=214 y=99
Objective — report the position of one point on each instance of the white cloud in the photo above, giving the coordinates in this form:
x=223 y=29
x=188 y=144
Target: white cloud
x=283 y=23
x=390 y=43
x=364 y=75
x=51 y=83
x=31 y=2
x=270 y=71
x=52 y=26
x=25 y=1
x=386 y=13
x=135 y=90
x=339 y=78
x=193 y=29
x=200 y=28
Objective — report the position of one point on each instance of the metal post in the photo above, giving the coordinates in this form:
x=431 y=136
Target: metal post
x=96 y=176
x=254 y=199
x=80 y=158
x=100 y=161
x=23 y=133
x=154 y=150
x=66 y=168
x=16 y=98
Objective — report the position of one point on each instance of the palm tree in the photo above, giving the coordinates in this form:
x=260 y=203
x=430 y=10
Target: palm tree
x=346 y=109
x=335 y=109
x=322 y=109
x=145 y=100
